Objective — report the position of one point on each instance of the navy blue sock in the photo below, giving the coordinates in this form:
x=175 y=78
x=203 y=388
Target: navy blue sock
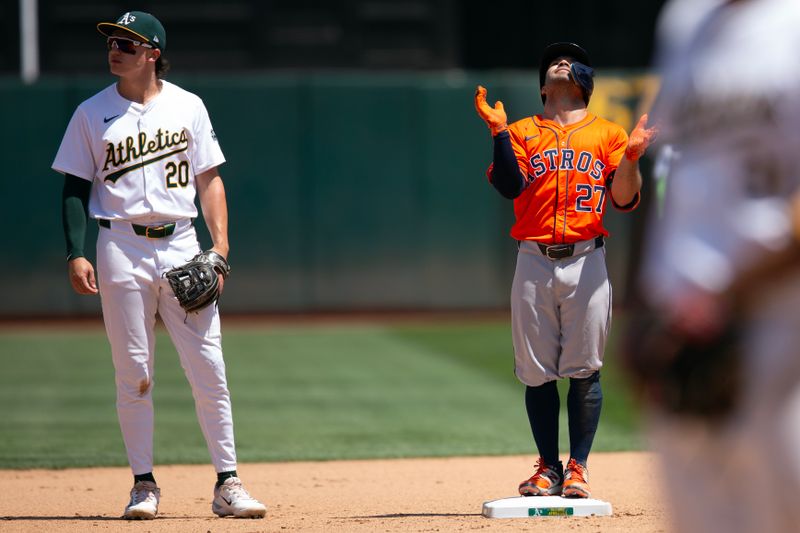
x=222 y=476
x=543 y=404
x=584 y=401
x=144 y=477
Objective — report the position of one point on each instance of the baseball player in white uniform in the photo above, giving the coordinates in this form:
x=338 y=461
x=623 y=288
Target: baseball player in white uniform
x=134 y=156
x=730 y=106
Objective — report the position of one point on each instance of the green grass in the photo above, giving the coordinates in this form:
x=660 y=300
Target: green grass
x=299 y=392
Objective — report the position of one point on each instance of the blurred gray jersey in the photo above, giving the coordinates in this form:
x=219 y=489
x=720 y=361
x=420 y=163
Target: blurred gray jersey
x=730 y=106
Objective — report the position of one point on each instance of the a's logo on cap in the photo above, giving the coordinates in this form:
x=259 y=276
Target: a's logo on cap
x=155 y=39
x=126 y=19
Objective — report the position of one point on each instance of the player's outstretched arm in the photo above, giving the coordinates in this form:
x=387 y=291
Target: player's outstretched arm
x=495 y=117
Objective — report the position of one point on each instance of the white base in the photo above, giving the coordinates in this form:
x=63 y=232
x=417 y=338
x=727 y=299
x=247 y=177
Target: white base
x=528 y=506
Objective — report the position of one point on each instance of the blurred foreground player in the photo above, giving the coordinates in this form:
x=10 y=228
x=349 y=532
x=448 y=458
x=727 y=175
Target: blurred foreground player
x=721 y=366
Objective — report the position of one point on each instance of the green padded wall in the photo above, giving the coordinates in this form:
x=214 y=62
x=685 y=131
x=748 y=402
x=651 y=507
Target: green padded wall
x=346 y=191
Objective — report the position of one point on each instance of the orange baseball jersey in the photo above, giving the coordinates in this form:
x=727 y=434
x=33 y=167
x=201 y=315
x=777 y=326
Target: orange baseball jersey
x=569 y=171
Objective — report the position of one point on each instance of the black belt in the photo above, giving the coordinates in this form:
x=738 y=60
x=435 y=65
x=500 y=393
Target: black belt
x=560 y=251
x=151 y=232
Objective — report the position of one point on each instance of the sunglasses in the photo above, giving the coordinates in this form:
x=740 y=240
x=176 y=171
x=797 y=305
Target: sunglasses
x=125 y=45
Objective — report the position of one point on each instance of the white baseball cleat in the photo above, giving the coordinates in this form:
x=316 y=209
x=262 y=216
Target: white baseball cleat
x=145 y=496
x=231 y=499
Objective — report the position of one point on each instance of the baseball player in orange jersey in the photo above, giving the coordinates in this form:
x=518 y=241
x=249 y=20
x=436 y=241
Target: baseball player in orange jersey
x=561 y=168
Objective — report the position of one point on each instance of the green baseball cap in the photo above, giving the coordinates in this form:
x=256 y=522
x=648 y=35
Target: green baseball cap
x=143 y=26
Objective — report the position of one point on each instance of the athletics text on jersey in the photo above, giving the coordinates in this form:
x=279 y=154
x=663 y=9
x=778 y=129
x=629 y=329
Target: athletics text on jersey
x=142 y=158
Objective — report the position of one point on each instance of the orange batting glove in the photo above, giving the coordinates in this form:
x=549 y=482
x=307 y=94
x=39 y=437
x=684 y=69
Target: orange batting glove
x=494 y=117
x=640 y=139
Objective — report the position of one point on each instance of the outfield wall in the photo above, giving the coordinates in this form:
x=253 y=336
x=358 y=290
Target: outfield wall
x=346 y=191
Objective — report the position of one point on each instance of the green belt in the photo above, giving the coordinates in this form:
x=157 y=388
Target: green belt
x=151 y=232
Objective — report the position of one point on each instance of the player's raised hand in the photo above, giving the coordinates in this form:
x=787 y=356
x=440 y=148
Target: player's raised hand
x=81 y=275
x=495 y=117
x=640 y=139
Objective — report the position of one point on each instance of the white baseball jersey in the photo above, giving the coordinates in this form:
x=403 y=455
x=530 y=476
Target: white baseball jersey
x=142 y=157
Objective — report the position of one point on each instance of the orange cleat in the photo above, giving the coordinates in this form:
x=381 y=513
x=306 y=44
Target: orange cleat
x=576 y=481
x=547 y=480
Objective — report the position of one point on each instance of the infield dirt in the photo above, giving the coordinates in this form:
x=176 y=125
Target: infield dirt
x=374 y=495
